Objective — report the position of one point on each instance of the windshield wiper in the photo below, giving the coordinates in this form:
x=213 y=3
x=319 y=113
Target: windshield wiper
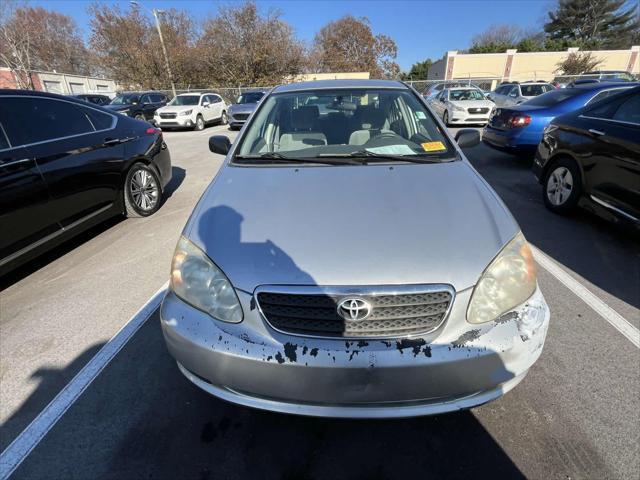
x=276 y=157
x=365 y=154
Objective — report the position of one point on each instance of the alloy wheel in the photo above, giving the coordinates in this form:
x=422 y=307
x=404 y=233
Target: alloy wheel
x=199 y=123
x=223 y=118
x=144 y=190
x=559 y=186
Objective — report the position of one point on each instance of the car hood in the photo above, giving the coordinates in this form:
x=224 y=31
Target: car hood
x=176 y=108
x=351 y=225
x=473 y=103
x=242 y=107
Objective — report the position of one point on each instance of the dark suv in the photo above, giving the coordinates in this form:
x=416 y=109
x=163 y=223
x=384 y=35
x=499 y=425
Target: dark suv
x=66 y=165
x=139 y=105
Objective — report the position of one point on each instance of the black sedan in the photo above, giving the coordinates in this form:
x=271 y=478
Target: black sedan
x=138 y=105
x=66 y=165
x=591 y=158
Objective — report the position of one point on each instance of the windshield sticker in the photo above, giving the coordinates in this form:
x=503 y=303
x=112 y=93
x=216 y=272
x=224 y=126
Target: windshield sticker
x=420 y=115
x=433 y=146
x=393 y=150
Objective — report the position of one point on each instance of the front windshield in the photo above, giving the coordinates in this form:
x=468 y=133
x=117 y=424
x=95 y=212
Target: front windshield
x=250 y=97
x=344 y=122
x=185 y=100
x=467 y=94
x=535 y=90
x=554 y=97
x=125 y=100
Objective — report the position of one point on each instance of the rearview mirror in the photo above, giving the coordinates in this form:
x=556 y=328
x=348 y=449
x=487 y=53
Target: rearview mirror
x=219 y=144
x=467 y=138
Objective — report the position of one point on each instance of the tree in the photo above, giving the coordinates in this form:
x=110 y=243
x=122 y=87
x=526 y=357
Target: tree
x=242 y=47
x=39 y=39
x=418 y=71
x=593 y=23
x=578 y=63
x=499 y=38
x=348 y=44
x=127 y=46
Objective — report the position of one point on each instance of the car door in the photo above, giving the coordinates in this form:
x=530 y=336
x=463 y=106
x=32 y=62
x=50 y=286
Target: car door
x=497 y=96
x=217 y=106
x=78 y=151
x=147 y=106
x=613 y=175
x=512 y=97
x=25 y=210
x=437 y=104
x=208 y=109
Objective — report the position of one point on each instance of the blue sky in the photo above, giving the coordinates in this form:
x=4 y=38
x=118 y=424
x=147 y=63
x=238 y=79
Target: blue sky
x=421 y=29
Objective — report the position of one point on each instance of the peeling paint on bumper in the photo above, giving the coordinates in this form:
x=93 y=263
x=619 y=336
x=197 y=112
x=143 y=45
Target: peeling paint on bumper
x=457 y=367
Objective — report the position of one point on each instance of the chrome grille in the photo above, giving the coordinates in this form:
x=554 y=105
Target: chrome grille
x=313 y=311
x=478 y=110
x=240 y=116
x=168 y=115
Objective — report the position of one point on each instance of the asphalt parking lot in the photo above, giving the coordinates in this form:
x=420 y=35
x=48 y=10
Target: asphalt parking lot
x=576 y=415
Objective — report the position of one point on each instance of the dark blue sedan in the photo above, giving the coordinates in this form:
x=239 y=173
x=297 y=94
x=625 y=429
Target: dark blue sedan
x=518 y=129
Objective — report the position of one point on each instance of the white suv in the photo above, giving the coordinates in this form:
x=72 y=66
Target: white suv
x=192 y=110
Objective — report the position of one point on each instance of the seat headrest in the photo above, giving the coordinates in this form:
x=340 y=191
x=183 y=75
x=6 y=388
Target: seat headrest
x=304 y=118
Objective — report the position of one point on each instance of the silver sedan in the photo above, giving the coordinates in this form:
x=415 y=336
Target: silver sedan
x=347 y=261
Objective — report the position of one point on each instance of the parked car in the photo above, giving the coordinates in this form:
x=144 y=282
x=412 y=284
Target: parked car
x=518 y=129
x=192 y=110
x=462 y=105
x=510 y=94
x=591 y=157
x=243 y=107
x=609 y=76
x=66 y=165
x=93 y=98
x=434 y=89
x=329 y=269
x=138 y=105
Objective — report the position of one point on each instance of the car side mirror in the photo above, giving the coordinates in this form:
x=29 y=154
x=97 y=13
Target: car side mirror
x=205 y=104
x=467 y=138
x=220 y=144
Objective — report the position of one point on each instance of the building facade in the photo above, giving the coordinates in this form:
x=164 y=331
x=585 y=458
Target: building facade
x=61 y=83
x=522 y=66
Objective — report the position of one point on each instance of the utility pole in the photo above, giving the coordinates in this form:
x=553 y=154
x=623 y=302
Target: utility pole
x=155 y=13
x=164 y=51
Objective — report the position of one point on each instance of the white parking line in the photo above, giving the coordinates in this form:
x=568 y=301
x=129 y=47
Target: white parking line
x=601 y=308
x=24 y=443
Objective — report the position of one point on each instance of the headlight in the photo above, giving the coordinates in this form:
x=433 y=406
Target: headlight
x=200 y=283
x=508 y=281
x=458 y=109
x=156 y=114
x=186 y=112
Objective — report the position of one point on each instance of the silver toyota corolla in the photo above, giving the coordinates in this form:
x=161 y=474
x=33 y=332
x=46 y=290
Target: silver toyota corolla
x=347 y=261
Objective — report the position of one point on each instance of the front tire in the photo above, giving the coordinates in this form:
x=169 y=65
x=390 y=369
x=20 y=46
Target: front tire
x=562 y=186
x=139 y=117
x=223 y=118
x=199 y=123
x=445 y=118
x=142 y=192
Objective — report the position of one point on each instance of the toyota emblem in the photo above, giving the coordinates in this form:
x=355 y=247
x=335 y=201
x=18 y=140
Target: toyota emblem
x=354 y=309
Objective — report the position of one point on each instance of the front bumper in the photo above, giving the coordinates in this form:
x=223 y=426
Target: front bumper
x=184 y=121
x=466 y=118
x=458 y=366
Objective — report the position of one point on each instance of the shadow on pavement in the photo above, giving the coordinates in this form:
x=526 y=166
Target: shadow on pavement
x=51 y=381
x=604 y=254
x=142 y=419
x=178 y=175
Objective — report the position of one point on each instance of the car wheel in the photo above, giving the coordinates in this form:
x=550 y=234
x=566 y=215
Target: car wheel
x=562 y=186
x=223 y=118
x=139 y=117
x=199 y=123
x=445 y=118
x=141 y=191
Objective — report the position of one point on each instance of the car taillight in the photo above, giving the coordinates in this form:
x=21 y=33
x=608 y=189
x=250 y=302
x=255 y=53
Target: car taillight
x=519 y=121
x=153 y=130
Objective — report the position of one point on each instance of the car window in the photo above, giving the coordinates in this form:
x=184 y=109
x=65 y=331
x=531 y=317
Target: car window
x=629 y=110
x=514 y=92
x=216 y=99
x=145 y=99
x=156 y=98
x=554 y=97
x=47 y=119
x=100 y=120
x=343 y=122
x=467 y=94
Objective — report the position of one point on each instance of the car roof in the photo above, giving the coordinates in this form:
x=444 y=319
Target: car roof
x=604 y=85
x=336 y=84
x=469 y=87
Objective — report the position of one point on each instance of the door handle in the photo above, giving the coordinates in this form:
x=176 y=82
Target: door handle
x=596 y=132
